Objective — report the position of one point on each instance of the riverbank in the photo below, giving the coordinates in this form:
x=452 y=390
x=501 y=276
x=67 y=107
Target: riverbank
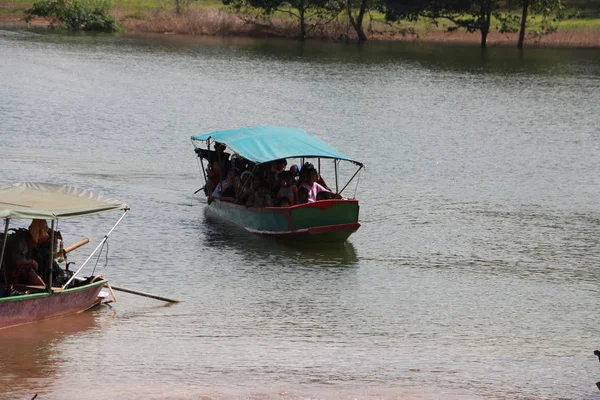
x=219 y=22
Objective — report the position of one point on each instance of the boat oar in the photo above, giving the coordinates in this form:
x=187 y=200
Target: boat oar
x=76 y=245
x=152 y=296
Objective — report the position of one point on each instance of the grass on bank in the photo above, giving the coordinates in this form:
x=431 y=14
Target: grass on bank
x=211 y=17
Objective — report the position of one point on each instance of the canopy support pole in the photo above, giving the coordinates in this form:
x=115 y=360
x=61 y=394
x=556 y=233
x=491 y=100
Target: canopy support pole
x=51 y=262
x=203 y=172
x=356 y=173
x=6 y=223
x=104 y=239
x=335 y=164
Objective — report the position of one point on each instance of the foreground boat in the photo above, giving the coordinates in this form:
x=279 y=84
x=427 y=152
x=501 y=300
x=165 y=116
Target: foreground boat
x=332 y=220
x=22 y=304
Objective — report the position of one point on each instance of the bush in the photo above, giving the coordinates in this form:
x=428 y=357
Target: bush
x=85 y=15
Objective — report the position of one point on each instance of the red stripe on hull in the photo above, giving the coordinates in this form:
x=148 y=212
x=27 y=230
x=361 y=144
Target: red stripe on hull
x=25 y=309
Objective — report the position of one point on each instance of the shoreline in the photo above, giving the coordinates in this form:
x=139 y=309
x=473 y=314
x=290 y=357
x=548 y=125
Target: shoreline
x=223 y=24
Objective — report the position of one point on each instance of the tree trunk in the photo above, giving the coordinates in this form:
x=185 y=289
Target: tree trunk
x=486 y=20
x=302 y=13
x=357 y=23
x=523 y=24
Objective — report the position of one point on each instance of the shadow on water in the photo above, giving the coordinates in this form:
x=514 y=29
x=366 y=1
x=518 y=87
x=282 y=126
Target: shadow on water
x=224 y=235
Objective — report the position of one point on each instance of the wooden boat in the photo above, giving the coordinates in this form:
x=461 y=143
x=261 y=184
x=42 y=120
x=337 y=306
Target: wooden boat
x=322 y=221
x=26 y=304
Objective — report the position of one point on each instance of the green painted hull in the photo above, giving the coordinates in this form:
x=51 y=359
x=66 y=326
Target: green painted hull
x=326 y=221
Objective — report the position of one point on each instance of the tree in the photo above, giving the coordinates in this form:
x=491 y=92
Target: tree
x=305 y=11
x=357 y=20
x=525 y=10
x=75 y=15
x=543 y=7
x=471 y=15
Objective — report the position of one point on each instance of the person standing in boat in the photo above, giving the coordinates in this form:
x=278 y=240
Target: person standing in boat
x=20 y=265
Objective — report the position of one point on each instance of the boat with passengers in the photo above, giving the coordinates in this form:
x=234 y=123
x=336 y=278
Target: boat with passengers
x=253 y=162
x=33 y=286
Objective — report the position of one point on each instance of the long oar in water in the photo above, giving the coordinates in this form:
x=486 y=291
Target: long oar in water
x=152 y=296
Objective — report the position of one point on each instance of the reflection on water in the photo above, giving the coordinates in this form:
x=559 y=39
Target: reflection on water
x=450 y=57
x=223 y=235
x=31 y=356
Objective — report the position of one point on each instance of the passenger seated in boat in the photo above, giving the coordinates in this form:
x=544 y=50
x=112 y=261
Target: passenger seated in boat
x=43 y=255
x=283 y=202
x=295 y=171
x=257 y=182
x=310 y=176
x=213 y=176
x=221 y=187
x=308 y=167
x=19 y=263
x=280 y=165
x=264 y=198
x=230 y=193
x=245 y=188
x=241 y=164
x=286 y=188
x=260 y=196
x=272 y=178
x=302 y=195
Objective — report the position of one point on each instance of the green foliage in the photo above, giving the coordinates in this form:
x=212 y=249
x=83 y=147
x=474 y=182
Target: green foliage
x=471 y=15
x=310 y=14
x=86 y=15
x=507 y=22
x=271 y=6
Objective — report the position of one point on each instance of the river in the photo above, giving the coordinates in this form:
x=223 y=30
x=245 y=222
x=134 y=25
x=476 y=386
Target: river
x=474 y=274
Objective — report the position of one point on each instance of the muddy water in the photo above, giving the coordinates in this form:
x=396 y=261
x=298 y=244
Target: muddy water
x=473 y=276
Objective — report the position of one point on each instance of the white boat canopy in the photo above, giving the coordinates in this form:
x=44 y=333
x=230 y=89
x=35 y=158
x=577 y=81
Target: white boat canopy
x=50 y=201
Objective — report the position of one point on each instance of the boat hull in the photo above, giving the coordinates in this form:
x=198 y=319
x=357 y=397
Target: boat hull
x=325 y=221
x=28 y=308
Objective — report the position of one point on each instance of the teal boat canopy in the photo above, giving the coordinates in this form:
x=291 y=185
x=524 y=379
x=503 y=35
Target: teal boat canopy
x=261 y=144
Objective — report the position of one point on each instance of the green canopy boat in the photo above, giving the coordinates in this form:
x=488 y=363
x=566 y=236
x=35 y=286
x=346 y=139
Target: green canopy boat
x=330 y=220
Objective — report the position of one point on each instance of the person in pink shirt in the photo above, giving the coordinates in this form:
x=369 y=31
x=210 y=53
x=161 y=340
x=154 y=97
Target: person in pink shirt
x=308 y=179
